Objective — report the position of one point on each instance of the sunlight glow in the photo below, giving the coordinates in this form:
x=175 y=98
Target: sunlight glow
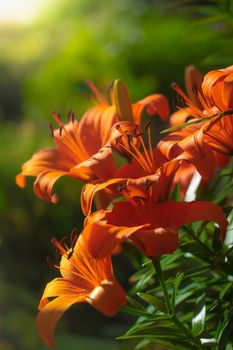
x=22 y=11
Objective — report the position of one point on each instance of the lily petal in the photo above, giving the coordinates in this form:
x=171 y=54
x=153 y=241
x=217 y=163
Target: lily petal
x=108 y=297
x=175 y=214
x=44 y=184
x=153 y=104
x=50 y=314
x=101 y=238
x=89 y=191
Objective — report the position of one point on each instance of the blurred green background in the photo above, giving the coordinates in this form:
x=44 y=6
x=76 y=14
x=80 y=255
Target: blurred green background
x=44 y=64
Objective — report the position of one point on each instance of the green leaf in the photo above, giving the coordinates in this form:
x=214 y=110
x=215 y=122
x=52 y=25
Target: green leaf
x=136 y=305
x=131 y=311
x=229 y=240
x=226 y=330
x=134 y=308
x=199 y=315
x=142 y=344
x=197 y=271
x=173 y=344
x=153 y=330
x=143 y=277
x=152 y=300
x=208 y=341
x=198 y=249
x=225 y=191
x=225 y=289
x=177 y=282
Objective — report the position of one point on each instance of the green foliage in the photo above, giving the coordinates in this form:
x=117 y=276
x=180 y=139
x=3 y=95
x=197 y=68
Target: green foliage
x=199 y=283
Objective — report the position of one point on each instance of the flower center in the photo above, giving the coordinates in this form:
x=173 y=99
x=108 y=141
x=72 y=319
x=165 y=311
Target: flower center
x=131 y=142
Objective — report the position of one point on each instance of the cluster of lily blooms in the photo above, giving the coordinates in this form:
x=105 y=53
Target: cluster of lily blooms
x=200 y=139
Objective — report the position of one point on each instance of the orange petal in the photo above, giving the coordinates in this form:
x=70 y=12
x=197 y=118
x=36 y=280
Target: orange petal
x=89 y=191
x=227 y=93
x=180 y=117
x=153 y=104
x=50 y=314
x=108 y=297
x=20 y=180
x=193 y=81
x=96 y=125
x=198 y=153
x=44 y=184
x=176 y=214
x=58 y=287
x=219 y=135
x=101 y=238
x=100 y=165
x=156 y=242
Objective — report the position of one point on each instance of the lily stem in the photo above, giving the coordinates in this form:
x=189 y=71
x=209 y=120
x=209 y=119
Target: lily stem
x=176 y=321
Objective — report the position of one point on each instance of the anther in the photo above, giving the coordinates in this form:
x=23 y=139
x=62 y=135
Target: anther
x=69 y=255
x=121 y=187
x=60 y=130
x=140 y=134
x=58 y=245
x=51 y=130
x=129 y=140
x=72 y=117
x=58 y=253
x=180 y=100
x=118 y=139
x=74 y=237
x=135 y=130
x=69 y=116
x=194 y=88
x=148 y=183
x=147 y=125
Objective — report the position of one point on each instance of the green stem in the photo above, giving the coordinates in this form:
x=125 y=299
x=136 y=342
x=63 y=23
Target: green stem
x=176 y=321
x=157 y=266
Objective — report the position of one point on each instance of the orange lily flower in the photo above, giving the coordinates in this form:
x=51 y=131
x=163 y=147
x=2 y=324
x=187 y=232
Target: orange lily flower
x=142 y=177
x=217 y=87
x=84 y=279
x=152 y=227
x=193 y=81
x=209 y=137
x=83 y=150
x=215 y=96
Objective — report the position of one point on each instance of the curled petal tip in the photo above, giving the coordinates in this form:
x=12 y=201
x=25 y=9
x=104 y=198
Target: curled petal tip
x=108 y=297
x=20 y=180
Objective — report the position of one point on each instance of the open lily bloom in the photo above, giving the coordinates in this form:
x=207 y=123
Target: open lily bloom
x=74 y=155
x=84 y=279
x=214 y=96
x=209 y=135
x=142 y=177
x=83 y=150
x=152 y=227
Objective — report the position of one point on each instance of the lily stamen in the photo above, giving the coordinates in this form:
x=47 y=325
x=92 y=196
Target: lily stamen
x=51 y=130
x=51 y=264
x=187 y=100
